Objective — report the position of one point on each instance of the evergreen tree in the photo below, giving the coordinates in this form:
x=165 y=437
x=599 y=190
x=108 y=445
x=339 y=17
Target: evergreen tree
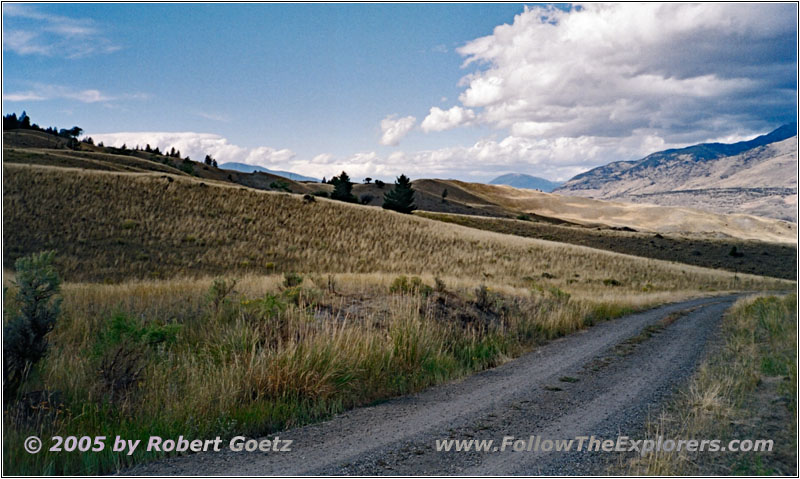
x=401 y=198
x=343 y=188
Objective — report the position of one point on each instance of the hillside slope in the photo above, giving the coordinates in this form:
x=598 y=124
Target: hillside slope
x=594 y=213
x=108 y=226
x=35 y=147
x=756 y=177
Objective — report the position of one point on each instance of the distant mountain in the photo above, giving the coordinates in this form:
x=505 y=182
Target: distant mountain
x=519 y=180
x=757 y=177
x=245 y=168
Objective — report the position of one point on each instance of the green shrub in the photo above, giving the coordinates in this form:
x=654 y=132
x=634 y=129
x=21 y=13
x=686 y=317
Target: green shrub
x=611 y=282
x=290 y=280
x=280 y=185
x=219 y=291
x=414 y=285
x=123 y=329
x=24 y=337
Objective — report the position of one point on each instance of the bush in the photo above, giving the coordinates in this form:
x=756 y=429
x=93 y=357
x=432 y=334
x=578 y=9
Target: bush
x=123 y=329
x=414 y=285
x=219 y=291
x=280 y=186
x=523 y=217
x=24 y=337
x=366 y=199
x=611 y=282
x=290 y=280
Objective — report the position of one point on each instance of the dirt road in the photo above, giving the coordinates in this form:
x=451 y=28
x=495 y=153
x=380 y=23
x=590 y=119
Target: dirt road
x=601 y=382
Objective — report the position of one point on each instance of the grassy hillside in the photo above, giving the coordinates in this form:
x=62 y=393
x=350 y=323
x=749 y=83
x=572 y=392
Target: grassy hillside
x=110 y=226
x=641 y=217
x=33 y=147
x=755 y=257
x=149 y=343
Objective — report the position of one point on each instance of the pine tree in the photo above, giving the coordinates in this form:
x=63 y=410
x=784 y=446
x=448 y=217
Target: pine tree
x=343 y=188
x=401 y=198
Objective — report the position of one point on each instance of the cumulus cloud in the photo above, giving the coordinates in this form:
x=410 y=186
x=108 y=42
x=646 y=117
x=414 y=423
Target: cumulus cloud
x=27 y=31
x=574 y=88
x=439 y=120
x=197 y=145
x=394 y=129
x=608 y=70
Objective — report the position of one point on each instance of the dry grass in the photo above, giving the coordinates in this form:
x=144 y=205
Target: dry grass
x=169 y=357
x=746 y=390
x=147 y=345
x=113 y=226
x=754 y=257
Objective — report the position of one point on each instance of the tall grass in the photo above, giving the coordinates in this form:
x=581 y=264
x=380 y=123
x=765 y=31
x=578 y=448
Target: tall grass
x=112 y=226
x=263 y=357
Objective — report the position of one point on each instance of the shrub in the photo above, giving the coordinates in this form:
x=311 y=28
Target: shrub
x=414 y=285
x=366 y=199
x=483 y=298
x=380 y=184
x=281 y=186
x=24 y=337
x=290 y=280
x=611 y=282
x=219 y=291
x=560 y=295
x=187 y=166
x=523 y=217
x=123 y=330
x=120 y=370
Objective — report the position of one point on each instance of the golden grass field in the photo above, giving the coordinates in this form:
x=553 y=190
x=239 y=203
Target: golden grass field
x=109 y=226
x=642 y=217
x=149 y=342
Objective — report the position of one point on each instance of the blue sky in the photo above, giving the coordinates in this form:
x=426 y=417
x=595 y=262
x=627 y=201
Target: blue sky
x=466 y=91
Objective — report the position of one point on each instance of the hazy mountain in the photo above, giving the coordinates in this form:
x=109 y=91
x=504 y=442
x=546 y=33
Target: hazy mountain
x=245 y=168
x=756 y=177
x=520 y=180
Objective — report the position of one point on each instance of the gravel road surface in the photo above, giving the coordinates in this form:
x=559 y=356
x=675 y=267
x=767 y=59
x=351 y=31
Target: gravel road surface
x=601 y=381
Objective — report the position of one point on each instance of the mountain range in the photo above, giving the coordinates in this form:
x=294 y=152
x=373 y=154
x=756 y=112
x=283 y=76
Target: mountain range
x=757 y=177
x=520 y=180
x=246 y=168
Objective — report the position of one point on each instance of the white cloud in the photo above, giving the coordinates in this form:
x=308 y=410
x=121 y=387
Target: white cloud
x=394 y=129
x=197 y=145
x=439 y=120
x=608 y=70
x=52 y=92
x=52 y=35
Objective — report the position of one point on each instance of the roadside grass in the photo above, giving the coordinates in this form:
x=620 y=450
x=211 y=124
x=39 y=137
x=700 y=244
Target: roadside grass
x=217 y=357
x=745 y=390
